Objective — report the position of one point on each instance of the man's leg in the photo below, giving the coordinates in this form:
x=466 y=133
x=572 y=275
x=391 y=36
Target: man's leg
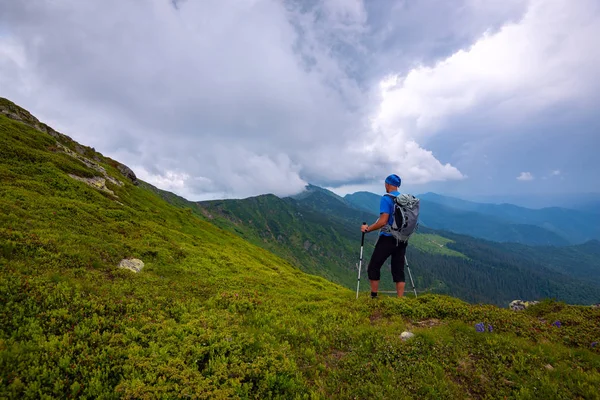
x=374 y=286
x=398 y=267
x=400 y=288
x=383 y=249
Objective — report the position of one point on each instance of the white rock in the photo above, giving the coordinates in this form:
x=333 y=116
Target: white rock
x=518 y=305
x=132 y=264
x=95 y=182
x=406 y=335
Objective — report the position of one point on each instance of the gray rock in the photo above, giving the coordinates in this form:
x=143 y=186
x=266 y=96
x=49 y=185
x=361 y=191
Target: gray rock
x=95 y=182
x=406 y=335
x=128 y=173
x=132 y=264
x=518 y=305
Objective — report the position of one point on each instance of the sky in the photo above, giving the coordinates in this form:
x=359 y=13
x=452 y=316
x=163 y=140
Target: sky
x=229 y=99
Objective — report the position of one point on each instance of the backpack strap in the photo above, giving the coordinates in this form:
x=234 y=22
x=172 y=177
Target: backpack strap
x=395 y=205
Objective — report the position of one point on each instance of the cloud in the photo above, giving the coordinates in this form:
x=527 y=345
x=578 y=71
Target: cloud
x=555 y=174
x=409 y=33
x=525 y=176
x=498 y=94
x=210 y=98
x=248 y=100
x=549 y=57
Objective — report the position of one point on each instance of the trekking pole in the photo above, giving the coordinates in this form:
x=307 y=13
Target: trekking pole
x=362 y=243
x=410 y=275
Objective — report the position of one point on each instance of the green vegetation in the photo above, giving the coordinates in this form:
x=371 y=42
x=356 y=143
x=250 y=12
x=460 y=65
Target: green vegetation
x=317 y=243
x=581 y=261
x=213 y=316
x=325 y=243
x=434 y=244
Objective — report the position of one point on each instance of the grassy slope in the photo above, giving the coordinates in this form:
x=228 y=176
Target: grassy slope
x=434 y=244
x=282 y=226
x=317 y=245
x=212 y=316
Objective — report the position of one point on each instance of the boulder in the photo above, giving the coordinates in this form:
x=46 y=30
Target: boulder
x=128 y=173
x=132 y=264
x=406 y=335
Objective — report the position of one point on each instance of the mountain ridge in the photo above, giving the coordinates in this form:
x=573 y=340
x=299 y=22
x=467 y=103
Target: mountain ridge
x=574 y=225
x=439 y=216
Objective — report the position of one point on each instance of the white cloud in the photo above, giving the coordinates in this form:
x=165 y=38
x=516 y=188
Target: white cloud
x=170 y=180
x=525 y=176
x=547 y=58
x=554 y=174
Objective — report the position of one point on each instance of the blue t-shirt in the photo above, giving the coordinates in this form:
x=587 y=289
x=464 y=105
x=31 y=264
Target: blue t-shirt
x=386 y=205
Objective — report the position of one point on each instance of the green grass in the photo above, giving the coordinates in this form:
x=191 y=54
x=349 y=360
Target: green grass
x=434 y=244
x=213 y=316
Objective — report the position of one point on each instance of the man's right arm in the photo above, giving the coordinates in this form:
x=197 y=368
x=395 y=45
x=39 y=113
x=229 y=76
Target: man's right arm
x=381 y=221
x=385 y=205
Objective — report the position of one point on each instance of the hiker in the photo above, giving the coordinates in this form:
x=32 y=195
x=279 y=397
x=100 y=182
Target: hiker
x=387 y=245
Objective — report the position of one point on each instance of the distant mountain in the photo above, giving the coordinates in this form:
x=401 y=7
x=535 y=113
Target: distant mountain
x=439 y=216
x=572 y=225
x=329 y=203
x=584 y=201
x=366 y=201
x=592 y=207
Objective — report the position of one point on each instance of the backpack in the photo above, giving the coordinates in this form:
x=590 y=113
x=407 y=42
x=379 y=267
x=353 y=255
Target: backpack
x=406 y=216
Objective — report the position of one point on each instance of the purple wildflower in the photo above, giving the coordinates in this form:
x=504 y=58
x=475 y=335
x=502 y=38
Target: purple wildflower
x=480 y=327
x=490 y=328
x=594 y=344
x=557 y=324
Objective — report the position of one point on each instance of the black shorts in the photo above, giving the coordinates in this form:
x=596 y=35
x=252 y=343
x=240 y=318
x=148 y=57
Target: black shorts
x=387 y=246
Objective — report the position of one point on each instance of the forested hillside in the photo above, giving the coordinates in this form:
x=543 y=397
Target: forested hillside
x=574 y=225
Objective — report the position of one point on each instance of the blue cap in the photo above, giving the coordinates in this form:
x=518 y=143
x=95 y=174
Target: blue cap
x=393 y=180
